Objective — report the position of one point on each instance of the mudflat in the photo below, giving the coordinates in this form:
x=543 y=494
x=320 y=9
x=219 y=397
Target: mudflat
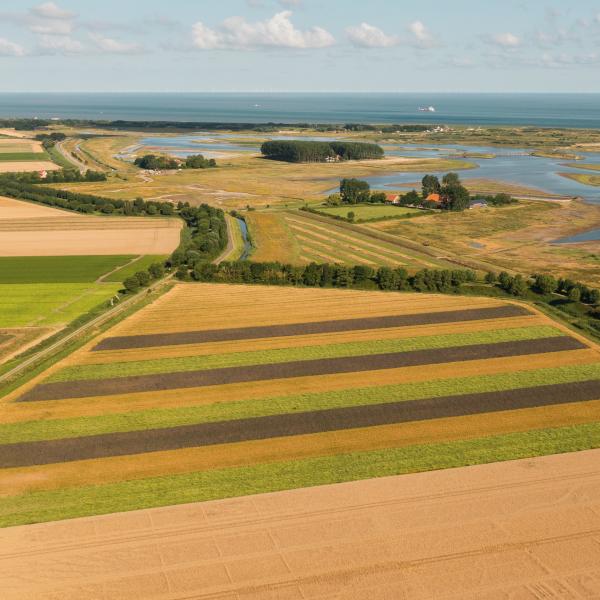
x=520 y=529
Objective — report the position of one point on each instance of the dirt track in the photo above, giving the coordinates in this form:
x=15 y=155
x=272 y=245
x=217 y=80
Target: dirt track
x=341 y=325
x=523 y=530
x=301 y=368
x=291 y=424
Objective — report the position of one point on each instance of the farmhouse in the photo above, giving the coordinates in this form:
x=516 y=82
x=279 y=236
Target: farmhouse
x=434 y=198
x=392 y=198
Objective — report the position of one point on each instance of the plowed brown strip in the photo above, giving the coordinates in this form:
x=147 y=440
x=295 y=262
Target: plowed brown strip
x=245 y=333
x=302 y=368
x=285 y=425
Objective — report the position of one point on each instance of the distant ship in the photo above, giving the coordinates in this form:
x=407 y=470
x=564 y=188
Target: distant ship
x=426 y=108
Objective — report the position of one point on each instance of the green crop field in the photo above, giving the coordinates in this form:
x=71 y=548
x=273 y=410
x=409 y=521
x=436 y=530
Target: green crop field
x=41 y=304
x=369 y=212
x=58 y=269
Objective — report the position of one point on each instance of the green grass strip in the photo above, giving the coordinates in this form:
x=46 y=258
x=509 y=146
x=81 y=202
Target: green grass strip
x=51 y=429
x=36 y=507
x=23 y=156
x=262 y=357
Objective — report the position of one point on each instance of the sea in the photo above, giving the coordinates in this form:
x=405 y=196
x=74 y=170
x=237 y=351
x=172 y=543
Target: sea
x=540 y=110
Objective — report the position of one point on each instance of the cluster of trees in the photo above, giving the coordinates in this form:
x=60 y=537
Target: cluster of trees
x=206 y=237
x=152 y=162
x=144 y=278
x=332 y=275
x=306 y=151
x=24 y=189
x=49 y=140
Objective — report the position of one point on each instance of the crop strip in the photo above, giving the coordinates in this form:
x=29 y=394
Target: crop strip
x=245 y=333
x=303 y=368
x=286 y=425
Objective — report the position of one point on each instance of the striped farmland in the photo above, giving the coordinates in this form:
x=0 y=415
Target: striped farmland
x=325 y=240
x=296 y=378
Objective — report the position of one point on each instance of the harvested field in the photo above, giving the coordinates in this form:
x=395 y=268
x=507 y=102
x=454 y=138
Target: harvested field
x=488 y=531
x=30 y=230
x=254 y=388
x=27 y=166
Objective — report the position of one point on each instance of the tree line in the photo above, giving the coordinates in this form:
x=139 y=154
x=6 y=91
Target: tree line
x=152 y=162
x=27 y=124
x=330 y=275
x=298 y=151
x=26 y=187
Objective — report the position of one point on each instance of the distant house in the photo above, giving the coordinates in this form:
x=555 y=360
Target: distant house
x=392 y=198
x=43 y=174
x=434 y=198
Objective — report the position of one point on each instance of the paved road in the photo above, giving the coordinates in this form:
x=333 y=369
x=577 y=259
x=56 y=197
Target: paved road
x=70 y=158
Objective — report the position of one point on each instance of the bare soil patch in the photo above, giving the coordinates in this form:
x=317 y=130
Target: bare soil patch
x=317 y=327
x=228 y=375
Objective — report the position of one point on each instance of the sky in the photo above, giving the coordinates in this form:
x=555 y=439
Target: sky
x=300 y=45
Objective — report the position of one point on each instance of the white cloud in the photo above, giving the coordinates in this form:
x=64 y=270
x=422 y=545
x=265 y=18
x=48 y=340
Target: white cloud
x=60 y=44
x=8 y=48
x=421 y=35
x=112 y=46
x=51 y=27
x=506 y=40
x=49 y=10
x=278 y=31
x=369 y=36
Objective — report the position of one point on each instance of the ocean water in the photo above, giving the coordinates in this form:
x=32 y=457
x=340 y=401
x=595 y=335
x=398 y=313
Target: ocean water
x=545 y=110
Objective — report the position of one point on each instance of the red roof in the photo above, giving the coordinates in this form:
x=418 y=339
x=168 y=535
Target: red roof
x=392 y=197
x=433 y=198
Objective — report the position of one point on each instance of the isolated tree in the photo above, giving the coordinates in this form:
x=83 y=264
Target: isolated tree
x=143 y=277
x=354 y=191
x=156 y=270
x=575 y=294
x=378 y=197
x=451 y=179
x=430 y=185
x=351 y=216
x=132 y=284
x=545 y=284
x=518 y=286
x=411 y=198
